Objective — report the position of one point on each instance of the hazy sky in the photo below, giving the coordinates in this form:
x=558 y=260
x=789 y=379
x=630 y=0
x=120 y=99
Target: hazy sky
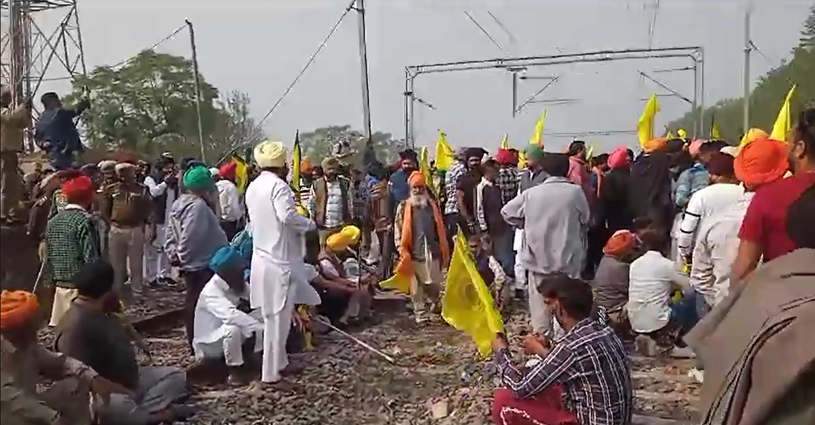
x=258 y=47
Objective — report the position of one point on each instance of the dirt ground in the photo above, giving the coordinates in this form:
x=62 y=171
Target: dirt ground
x=437 y=368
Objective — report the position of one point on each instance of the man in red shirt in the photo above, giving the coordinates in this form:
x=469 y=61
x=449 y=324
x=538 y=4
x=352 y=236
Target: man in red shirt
x=760 y=166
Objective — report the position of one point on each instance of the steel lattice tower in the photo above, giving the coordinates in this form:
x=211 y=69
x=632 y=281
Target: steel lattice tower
x=41 y=42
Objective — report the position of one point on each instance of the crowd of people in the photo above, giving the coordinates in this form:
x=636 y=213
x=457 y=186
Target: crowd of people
x=656 y=251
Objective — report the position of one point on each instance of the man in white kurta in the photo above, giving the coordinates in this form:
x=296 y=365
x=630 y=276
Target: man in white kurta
x=222 y=323
x=277 y=232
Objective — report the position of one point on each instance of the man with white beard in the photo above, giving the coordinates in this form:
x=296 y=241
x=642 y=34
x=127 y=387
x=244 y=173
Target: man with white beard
x=277 y=254
x=419 y=235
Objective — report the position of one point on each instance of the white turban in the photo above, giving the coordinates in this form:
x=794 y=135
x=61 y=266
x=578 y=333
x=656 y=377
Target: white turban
x=730 y=150
x=270 y=154
x=214 y=172
x=123 y=166
x=107 y=165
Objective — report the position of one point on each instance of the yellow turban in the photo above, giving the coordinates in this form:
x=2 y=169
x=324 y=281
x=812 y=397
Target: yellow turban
x=17 y=308
x=270 y=154
x=337 y=242
x=654 y=145
x=752 y=135
x=353 y=234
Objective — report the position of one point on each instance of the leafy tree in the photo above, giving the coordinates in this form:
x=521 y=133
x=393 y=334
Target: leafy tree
x=768 y=95
x=235 y=126
x=318 y=144
x=148 y=106
x=808 y=34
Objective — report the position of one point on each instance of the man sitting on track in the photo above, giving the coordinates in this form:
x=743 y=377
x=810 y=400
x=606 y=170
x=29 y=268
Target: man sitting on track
x=225 y=327
x=66 y=402
x=89 y=333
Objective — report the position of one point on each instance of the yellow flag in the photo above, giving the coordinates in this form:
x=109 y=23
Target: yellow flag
x=783 y=124
x=715 y=133
x=670 y=135
x=590 y=153
x=537 y=137
x=398 y=282
x=467 y=304
x=241 y=173
x=521 y=160
x=505 y=142
x=444 y=153
x=645 y=126
x=682 y=133
x=424 y=167
x=295 y=166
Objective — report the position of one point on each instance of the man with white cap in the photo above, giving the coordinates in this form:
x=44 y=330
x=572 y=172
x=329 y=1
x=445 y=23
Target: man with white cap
x=277 y=254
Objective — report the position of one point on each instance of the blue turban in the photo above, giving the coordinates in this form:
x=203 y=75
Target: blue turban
x=224 y=259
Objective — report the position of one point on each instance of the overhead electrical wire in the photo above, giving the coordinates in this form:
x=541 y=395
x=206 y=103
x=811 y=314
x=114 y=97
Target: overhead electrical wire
x=308 y=64
x=162 y=41
x=495 y=43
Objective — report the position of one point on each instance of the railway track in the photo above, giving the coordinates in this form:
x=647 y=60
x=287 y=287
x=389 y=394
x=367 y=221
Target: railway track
x=656 y=387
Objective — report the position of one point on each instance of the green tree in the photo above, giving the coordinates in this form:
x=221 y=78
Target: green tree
x=808 y=34
x=319 y=144
x=768 y=95
x=148 y=106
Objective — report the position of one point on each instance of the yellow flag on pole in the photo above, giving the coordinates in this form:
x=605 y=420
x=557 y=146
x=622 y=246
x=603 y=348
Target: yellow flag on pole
x=537 y=137
x=424 y=167
x=590 y=153
x=645 y=125
x=444 y=153
x=670 y=135
x=241 y=173
x=715 y=133
x=783 y=124
x=467 y=304
x=505 y=142
x=682 y=133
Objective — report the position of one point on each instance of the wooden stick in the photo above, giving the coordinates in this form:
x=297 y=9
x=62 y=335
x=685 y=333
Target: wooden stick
x=357 y=340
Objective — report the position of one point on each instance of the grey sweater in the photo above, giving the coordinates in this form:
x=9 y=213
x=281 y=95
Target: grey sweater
x=193 y=234
x=555 y=217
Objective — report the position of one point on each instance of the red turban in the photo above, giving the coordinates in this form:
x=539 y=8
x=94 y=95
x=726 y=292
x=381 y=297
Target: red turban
x=619 y=158
x=762 y=161
x=228 y=171
x=505 y=157
x=721 y=164
x=17 y=308
x=78 y=189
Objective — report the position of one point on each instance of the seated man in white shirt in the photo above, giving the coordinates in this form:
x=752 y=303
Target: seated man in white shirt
x=652 y=280
x=224 y=327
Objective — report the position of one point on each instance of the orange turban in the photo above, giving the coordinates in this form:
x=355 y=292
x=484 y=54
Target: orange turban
x=762 y=161
x=654 y=145
x=620 y=243
x=305 y=166
x=78 y=189
x=416 y=179
x=17 y=308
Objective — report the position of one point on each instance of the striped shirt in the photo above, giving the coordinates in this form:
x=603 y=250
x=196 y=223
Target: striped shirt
x=593 y=367
x=454 y=174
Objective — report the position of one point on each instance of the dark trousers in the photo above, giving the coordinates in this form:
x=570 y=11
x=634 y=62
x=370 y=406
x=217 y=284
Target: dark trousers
x=195 y=281
x=502 y=250
x=598 y=236
x=387 y=248
x=452 y=223
x=230 y=228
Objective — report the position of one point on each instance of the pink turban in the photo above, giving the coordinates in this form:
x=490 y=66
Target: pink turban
x=619 y=158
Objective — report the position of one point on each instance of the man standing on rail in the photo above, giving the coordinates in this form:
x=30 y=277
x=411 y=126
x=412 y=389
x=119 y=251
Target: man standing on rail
x=277 y=257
